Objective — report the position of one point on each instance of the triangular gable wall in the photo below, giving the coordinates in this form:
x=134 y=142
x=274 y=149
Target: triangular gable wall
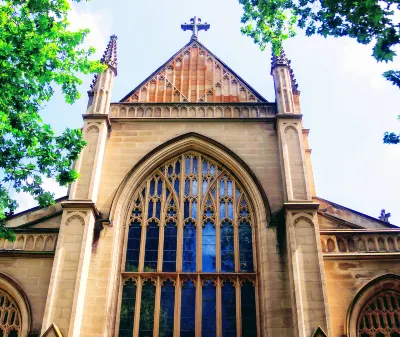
x=193 y=74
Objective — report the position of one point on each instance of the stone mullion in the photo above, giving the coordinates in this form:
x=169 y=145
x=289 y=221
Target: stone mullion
x=218 y=294
x=180 y=216
x=236 y=210
x=144 y=227
x=136 y=318
x=161 y=226
x=217 y=224
x=238 y=307
x=198 y=311
x=157 y=307
x=199 y=225
x=177 y=315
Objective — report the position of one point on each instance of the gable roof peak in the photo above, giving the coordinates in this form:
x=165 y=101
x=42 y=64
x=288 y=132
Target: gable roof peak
x=193 y=74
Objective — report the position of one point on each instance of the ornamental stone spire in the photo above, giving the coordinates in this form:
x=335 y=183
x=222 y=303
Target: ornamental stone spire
x=110 y=55
x=195 y=26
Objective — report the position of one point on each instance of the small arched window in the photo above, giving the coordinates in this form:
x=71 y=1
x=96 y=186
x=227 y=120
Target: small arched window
x=380 y=316
x=10 y=316
x=190 y=262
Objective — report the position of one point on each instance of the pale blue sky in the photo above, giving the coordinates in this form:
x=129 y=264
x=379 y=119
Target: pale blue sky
x=344 y=100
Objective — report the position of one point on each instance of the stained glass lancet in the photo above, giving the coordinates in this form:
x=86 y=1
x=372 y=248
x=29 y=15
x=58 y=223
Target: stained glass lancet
x=189 y=253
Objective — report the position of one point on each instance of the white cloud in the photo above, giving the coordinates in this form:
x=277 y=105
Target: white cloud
x=98 y=22
x=26 y=201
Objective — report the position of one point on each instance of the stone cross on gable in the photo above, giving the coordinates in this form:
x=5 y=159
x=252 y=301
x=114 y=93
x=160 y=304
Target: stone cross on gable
x=195 y=26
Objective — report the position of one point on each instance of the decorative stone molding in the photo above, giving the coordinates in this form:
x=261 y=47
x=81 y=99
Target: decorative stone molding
x=30 y=243
x=140 y=111
x=350 y=242
x=75 y=217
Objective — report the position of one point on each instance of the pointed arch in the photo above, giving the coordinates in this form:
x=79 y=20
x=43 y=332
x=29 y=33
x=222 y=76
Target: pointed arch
x=178 y=145
x=10 y=288
x=158 y=159
x=387 y=282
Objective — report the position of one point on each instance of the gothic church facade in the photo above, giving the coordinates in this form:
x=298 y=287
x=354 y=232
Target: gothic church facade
x=195 y=214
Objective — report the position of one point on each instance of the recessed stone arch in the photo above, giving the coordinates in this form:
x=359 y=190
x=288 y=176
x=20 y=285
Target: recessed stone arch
x=386 y=282
x=11 y=287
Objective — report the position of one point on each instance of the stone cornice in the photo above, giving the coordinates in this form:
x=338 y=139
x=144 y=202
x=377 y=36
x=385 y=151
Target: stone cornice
x=82 y=204
x=301 y=205
x=98 y=116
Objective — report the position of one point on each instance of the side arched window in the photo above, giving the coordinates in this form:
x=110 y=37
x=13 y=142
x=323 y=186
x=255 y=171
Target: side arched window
x=380 y=316
x=190 y=264
x=10 y=316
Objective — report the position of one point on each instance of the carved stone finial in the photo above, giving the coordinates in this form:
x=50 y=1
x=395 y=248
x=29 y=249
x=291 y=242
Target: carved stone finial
x=384 y=216
x=109 y=58
x=282 y=60
x=195 y=26
x=110 y=55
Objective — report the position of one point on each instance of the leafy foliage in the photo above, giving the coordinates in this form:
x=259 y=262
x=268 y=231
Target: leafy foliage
x=273 y=21
x=37 y=53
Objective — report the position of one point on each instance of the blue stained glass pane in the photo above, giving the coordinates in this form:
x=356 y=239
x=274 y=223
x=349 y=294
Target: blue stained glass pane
x=205 y=186
x=248 y=304
x=147 y=310
x=245 y=248
x=176 y=186
x=209 y=306
x=244 y=213
x=221 y=188
x=195 y=165
x=212 y=169
x=227 y=248
x=208 y=247
x=170 y=239
x=166 y=328
x=230 y=187
x=133 y=247
x=229 y=310
x=178 y=167
x=150 y=210
x=170 y=169
x=186 y=209
x=188 y=309
x=194 y=210
x=144 y=193
x=158 y=209
x=187 y=165
x=205 y=167
x=222 y=209
x=230 y=210
x=189 y=248
x=159 y=188
x=127 y=309
x=187 y=187
x=152 y=187
x=167 y=193
x=194 y=187
x=151 y=252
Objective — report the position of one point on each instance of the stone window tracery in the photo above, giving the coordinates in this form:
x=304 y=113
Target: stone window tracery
x=380 y=317
x=10 y=316
x=189 y=260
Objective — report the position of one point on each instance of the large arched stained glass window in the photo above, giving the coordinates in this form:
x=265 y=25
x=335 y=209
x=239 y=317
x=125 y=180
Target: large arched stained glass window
x=189 y=262
x=380 y=317
x=10 y=317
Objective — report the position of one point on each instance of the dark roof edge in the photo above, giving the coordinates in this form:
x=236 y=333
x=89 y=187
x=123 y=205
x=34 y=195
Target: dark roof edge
x=359 y=213
x=261 y=98
x=33 y=209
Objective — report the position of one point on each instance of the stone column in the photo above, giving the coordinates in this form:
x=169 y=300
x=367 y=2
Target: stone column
x=69 y=278
x=307 y=276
